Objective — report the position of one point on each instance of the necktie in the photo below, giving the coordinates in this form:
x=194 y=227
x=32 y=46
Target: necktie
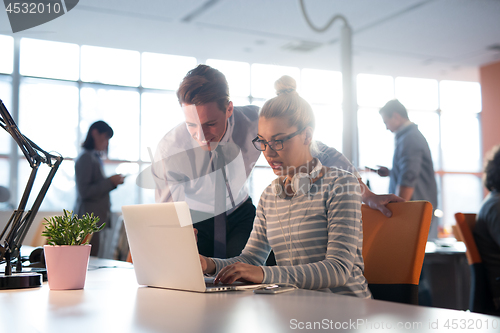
x=221 y=185
x=220 y=204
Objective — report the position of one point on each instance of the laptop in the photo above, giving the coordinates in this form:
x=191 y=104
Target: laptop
x=164 y=251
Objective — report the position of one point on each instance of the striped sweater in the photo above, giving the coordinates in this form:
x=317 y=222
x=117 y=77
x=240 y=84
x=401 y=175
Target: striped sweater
x=317 y=237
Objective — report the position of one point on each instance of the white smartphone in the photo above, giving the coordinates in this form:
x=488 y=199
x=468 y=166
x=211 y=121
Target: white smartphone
x=275 y=289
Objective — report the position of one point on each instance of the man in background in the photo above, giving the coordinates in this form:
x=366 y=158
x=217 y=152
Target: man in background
x=412 y=175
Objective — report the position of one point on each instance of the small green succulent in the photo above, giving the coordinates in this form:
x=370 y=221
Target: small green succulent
x=69 y=229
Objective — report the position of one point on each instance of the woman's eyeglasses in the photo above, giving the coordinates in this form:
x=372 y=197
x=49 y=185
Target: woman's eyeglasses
x=275 y=145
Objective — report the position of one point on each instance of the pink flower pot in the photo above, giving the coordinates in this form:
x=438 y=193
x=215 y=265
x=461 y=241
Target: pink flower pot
x=66 y=265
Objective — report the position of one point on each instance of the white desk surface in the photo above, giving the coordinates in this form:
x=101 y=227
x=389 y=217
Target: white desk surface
x=445 y=246
x=113 y=302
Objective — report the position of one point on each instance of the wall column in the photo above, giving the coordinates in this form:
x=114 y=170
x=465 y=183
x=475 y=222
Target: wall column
x=490 y=115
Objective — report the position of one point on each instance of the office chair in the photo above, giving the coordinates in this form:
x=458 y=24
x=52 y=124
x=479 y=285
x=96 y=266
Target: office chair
x=480 y=295
x=394 y=249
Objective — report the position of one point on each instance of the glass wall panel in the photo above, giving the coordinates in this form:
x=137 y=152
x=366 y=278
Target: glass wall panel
x=374 y=90
x=376 y=143
x=164 y=71
x=7 y=54
x=264 y=76
x=49 y=59
x=328 y=125
x=461 y=193
x=459 y=96
x=5 y=96
x=460 y=142
x=110 y=66
x=417 y=94
x=237 y=74
x=160 y=113
x=320 y=86
x=62 y=192
x=120 y=109
x=4 y=181
x=48 y=114
x=126 y=193
x=376 y=147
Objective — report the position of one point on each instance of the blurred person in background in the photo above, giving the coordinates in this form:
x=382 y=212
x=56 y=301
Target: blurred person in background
x=92 y=185
x=412 y=175
x=487 y=228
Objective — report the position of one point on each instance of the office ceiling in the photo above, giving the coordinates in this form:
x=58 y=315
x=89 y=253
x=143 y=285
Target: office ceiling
x=442 y=39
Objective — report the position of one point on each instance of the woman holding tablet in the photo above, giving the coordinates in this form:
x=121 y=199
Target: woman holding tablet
x=310 y=216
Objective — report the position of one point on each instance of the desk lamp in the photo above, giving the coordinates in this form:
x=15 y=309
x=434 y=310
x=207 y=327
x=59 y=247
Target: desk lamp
x=20 y=221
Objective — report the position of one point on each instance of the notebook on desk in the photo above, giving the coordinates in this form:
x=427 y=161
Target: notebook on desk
x=163 y=248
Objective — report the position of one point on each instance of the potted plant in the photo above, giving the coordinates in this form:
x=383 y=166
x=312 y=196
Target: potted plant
x=68 y=250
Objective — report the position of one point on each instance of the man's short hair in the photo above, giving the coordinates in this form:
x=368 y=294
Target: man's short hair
x=203 y=85
x=491 y=174
x=394 y=106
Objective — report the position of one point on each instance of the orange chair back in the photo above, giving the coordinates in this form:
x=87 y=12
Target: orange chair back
x=394 y=248
x=129 y=257
x=466 y=223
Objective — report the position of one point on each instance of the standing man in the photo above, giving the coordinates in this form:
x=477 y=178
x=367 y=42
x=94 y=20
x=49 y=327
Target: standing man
x=412 y=175
x=207 y=160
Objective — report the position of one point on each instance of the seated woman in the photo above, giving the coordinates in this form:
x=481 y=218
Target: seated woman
x=310 y=215
x=487 y=229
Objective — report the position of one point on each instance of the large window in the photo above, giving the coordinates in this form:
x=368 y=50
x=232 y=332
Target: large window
x=49 y=59
x=5 y=96
x=376 y=144
x=120 y=109
x=6 y=54
x=160 y=113
x=237 y=75
x=460 y=104
x=163 y=71
x=110 y=66
x=323 y=90
x=6 y=66
x=4 y=173
x=64 y=88
x=48 y=114
x=264 y=76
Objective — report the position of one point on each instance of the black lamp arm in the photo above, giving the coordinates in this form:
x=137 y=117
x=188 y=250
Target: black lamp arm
x=19 y=223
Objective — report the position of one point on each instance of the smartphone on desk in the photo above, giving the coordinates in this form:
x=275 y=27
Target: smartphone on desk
x=275 y=289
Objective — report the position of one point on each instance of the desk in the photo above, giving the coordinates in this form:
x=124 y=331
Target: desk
x=448 y=274
x=113 y=302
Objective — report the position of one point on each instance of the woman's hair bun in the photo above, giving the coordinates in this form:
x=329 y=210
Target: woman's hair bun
x=285 y=85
